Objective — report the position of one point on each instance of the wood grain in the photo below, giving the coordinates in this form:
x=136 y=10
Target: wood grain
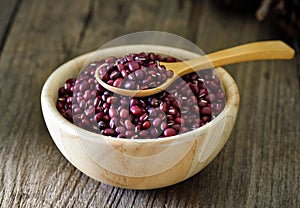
x=259 y=166
x=8 y=9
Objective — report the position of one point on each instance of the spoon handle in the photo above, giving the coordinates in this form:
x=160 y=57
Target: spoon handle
x=264 y=50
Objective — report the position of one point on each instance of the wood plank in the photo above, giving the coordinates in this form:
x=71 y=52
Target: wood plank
x=258 y=167
x=29 y=158
x=8 y=10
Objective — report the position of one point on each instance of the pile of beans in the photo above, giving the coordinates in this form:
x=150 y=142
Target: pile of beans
x=135 y=71
x=189 y=103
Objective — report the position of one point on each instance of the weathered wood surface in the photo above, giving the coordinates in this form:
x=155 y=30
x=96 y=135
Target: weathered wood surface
x=7 y=16
x=258 y=167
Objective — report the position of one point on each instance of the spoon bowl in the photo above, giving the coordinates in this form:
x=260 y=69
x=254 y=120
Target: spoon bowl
x=264 y=50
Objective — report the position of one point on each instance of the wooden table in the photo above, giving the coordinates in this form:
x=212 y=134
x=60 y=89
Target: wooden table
x=258 y=167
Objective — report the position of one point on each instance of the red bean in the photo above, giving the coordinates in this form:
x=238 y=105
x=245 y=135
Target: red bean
x=124 y=101
x=120 y=67
x=163 y=107
x=120 y=130
x=121 y=136
x=89 y=112
x=124 y=73
x=129 y=85
x=169 y=132
x=129 y=57
x=156 y=122
x=112 y=113
x=129 y=133
x=110 y=82
x=59 y=105
x=176 y=127
x=133 y=65
x=187 y=105
x=172 y=111
x=205 y=119
x=147 y=80
x=67 y=87
x=139 y=74
x=144 y=117
x=77 y=110
x=179 y=120
x=121 y=60
x=136 y=110
x=128 y=124
x=109 y=132
x=206 y=110
x=146 y=125
x=98 y=117
x=144 y=133
x=124 y=113
x=113 y=123
x=138 y=128
x=202 y=103
x=163 y=125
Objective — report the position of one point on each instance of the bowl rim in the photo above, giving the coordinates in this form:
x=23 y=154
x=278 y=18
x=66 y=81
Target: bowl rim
x=47 y=104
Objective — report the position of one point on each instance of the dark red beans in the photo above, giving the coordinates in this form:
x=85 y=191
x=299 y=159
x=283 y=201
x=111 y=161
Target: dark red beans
x=109 y=132
x=129 y=133
x=144 y=117
x=139 y=74
x=129 y=85
x=128 y=124
x=112 y=113
x=146 y=125
x=138 y=71
x=206 y=110
x=136 y=110
x=169 y=132
x=144 y=134
x=118 y=82
x=157 y=122
x=124 y=113
x=98 y=117
x=133 y=66
x=189 y=103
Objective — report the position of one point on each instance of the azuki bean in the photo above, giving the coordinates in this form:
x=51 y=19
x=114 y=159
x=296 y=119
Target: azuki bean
x=133 y=65
x=120 y=130
x=118 y=82
x=146 y=125
x=129 y=133
x=109 y=132
x=190 y=102
x=156 y=122
x=136 y=110
x=169 y=132
x=144 y=133
x=128 y=124
x=206 y=110
x=112 y=113
x=129 y=84
x=124 y=113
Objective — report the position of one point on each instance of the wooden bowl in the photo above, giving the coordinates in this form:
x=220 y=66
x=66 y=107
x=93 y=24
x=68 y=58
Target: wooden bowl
x=139 y=163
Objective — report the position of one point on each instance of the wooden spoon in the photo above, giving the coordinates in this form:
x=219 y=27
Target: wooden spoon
x=265 y=50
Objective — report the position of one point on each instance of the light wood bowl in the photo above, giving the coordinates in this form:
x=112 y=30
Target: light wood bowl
x=139 y=163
